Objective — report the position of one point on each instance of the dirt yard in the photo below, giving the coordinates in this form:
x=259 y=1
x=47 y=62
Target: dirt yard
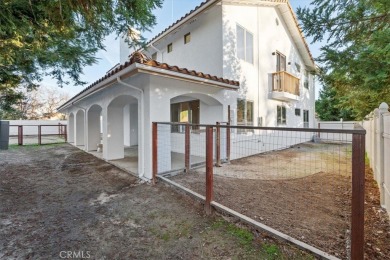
x=56 y=199
x=314 y=209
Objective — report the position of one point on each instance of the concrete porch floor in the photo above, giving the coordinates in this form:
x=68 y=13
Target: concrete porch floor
x=130 y=162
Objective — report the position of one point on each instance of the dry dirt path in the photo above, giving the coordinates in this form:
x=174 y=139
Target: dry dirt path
x=55 y=199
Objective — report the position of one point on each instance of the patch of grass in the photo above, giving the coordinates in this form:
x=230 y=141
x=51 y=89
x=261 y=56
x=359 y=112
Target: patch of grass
x=244 y=236
x=28 y=146
x=272 y=251
x=165 y=236
x=367 y=160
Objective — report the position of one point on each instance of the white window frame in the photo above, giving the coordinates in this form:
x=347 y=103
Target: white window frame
x=281 y=121
x=246 y=58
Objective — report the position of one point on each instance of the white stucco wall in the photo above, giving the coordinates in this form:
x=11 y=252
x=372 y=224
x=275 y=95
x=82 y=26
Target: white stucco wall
x=255 y=79
x=203 y=53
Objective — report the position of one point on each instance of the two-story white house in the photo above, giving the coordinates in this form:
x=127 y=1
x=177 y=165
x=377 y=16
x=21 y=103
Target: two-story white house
x=256 y=42
x=247 y=59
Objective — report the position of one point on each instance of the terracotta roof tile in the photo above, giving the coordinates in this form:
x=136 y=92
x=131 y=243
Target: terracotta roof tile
x=140 y=58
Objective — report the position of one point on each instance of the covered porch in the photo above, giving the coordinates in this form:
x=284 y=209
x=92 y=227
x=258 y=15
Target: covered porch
x=112 y=118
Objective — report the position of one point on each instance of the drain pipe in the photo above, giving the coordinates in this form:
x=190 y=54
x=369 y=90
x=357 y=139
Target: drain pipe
x=140 y=133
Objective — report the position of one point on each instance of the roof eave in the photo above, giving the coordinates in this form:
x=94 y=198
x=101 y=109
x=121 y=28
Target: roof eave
x=141 y=68
x=172 y=74
x=183 y=20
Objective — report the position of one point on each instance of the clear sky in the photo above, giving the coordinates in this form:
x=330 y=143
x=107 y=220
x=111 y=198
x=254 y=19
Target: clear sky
x=169 y=13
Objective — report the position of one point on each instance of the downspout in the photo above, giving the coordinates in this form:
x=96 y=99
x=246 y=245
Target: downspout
x=157 y=50
x=140 y=133
x=258 y=69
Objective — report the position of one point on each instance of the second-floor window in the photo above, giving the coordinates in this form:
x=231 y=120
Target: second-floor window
x=154 y=56
x=306 y=82
x=169 y=48
x=244 y=44
x=187 y=38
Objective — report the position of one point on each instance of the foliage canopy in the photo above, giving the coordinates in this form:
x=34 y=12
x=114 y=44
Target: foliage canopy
x=58 y=38
x=355 y=61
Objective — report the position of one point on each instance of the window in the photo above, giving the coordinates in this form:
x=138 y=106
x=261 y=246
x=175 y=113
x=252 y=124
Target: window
x=187 y=38
x=154 y=56
x=280 y=62
x=306 y=118
x=244 y=44
x=169 y=48
x=244 y=112
x=298 y=67
x=298 y=112
x=185 y=112
x=281 y=115
x=306 y=82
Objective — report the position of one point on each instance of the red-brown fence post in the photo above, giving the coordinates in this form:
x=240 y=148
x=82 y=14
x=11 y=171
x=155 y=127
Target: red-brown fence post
x=358 y=172
x=39 y=134
x=218 y=144
x=20 y=135
x=209 y=169
x=228 y=142
x=154 y=152
x=187 y=148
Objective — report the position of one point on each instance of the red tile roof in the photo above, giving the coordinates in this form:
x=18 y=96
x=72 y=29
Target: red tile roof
x=140 y=58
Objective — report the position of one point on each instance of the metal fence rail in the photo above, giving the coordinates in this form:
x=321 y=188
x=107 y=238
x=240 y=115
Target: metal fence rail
x=38 y=134
x=299 y=181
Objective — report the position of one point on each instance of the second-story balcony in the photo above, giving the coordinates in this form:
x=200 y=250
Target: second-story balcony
x=285 y=86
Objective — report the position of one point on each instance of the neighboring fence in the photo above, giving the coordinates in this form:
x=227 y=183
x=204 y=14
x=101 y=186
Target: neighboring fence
x=377 y=125
x=37 y=134
x=340 y=125
x=302 y=185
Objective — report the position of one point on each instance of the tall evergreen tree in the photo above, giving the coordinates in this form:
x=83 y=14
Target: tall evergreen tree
x=355 y=61
x=59 y=38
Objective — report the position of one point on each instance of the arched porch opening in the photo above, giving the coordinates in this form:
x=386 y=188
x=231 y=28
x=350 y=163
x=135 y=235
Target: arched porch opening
x=71 y=129
x=122 y=133
x=94 y=135
x=80 y=128
x=192 y=108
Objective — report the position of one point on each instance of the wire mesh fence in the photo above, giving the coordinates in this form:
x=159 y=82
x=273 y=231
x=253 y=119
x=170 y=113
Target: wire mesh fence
x=37 y=134
x=296 y=181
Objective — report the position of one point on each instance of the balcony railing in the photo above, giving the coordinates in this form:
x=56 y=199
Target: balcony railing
x=283 y=81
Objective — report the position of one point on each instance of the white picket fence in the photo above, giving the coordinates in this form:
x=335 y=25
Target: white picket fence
x=377 y=125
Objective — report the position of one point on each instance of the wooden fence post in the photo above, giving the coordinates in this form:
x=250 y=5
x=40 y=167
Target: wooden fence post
x=20 y=135
x=218 y=144
x=209 y=169
x=39 y=134
x=187 y=148
x=154 y=152
x=358 y=172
